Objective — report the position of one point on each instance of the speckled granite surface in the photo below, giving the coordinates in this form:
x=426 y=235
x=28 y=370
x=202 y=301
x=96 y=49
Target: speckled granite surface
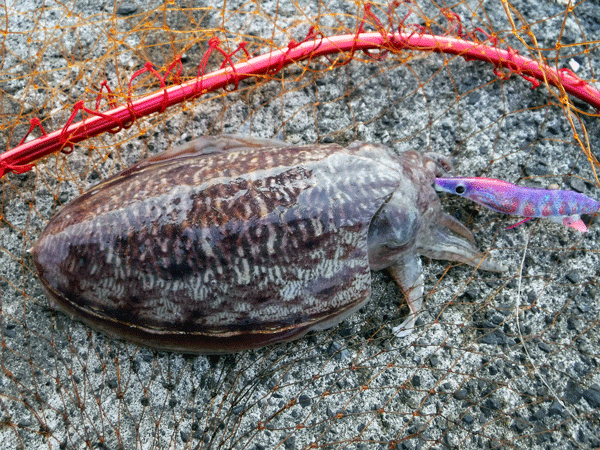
x=475 y=375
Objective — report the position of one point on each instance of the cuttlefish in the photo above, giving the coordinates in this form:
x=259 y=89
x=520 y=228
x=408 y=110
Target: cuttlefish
x=230 y=243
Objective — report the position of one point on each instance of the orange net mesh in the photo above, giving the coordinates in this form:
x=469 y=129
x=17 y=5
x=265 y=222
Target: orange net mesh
x=497 y=361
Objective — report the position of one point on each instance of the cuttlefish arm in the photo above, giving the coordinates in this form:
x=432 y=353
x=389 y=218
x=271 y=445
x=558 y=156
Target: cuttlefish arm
x=408 y=273
x=447 y=238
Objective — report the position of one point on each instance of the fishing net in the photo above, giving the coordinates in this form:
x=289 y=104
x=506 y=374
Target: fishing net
x=497 y=360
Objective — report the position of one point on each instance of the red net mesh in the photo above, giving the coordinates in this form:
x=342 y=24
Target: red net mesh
x=497 y=361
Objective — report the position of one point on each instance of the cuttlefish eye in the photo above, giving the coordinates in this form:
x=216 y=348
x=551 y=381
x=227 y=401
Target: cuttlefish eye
x=460 y=189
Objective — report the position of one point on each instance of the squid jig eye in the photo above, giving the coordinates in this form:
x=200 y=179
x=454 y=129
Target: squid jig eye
x=460 y=189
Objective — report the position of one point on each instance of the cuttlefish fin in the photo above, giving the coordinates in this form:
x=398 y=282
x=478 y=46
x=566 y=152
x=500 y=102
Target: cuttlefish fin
x=206 y=145
x=449 y=239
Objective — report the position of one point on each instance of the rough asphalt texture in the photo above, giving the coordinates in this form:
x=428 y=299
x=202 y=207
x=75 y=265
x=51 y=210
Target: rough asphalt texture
x=476 y=374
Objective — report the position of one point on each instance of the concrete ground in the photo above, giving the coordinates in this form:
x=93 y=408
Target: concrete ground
x=497 y=361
